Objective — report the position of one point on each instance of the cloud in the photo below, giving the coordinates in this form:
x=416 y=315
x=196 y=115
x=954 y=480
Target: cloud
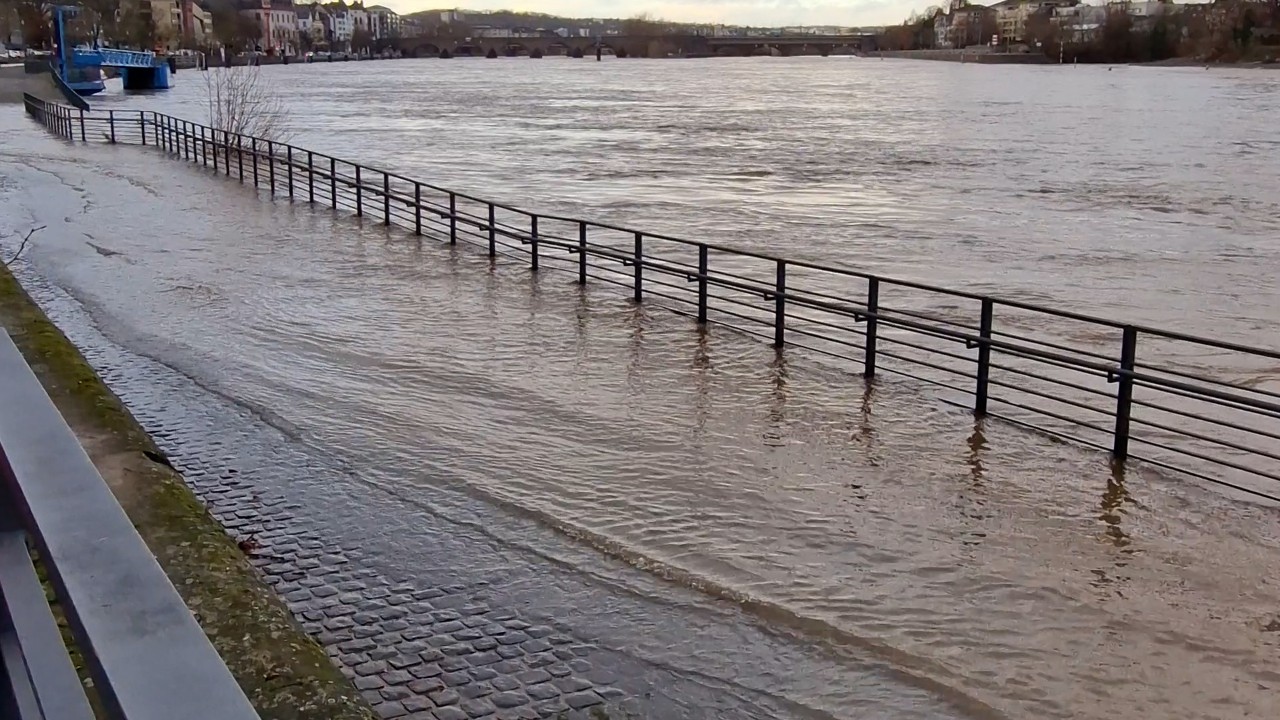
x=734 y=12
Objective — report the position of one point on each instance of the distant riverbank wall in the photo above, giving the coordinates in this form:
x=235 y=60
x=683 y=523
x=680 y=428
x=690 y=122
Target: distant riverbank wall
x=974 y=56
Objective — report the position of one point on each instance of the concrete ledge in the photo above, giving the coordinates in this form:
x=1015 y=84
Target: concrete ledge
x=285 y=673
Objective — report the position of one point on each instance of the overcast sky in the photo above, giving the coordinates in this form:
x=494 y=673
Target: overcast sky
x=736 y=12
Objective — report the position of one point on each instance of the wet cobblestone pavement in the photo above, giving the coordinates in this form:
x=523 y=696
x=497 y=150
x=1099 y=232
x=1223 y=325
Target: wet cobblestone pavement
x=415 y=650
x=433 y=614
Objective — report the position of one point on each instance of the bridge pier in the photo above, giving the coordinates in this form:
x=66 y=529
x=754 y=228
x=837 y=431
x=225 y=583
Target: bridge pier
x=146 y=78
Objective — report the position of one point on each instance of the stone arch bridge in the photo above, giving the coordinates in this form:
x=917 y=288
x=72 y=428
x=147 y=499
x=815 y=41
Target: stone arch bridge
x=679 y=45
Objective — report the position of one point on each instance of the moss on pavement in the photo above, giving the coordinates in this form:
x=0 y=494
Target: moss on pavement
x=285 y=673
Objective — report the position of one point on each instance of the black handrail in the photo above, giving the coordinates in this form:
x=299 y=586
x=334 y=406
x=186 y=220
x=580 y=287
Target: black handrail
x=1179 y=416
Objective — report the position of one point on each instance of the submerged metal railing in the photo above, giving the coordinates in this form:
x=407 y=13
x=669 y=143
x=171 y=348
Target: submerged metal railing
x=1191 y=404
x=145 y=653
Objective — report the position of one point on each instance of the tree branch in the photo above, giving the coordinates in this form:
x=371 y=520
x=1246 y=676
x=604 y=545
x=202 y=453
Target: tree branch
x=23 y=245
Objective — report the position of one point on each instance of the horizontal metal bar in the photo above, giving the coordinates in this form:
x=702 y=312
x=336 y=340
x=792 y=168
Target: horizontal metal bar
x=1050 y=413
x=1216 y=422
x=1055 y=381
x=928 y=381
x=1206 y=458
x=1206 y=438
x=834 y=270
x=1055 y=398
x=809 y=305
x=889 y=338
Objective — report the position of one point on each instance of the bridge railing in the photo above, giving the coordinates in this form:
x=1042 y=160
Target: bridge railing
x=145 y=653
x=1196 y=405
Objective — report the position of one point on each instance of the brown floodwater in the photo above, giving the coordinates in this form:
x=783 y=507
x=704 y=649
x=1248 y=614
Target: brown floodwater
x=1013 y=575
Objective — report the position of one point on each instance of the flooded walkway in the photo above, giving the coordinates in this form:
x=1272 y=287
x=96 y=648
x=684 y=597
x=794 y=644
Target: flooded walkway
x=723 y=532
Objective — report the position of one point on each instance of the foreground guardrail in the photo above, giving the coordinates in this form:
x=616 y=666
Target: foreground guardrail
x=1134 y=391
x=147 y=656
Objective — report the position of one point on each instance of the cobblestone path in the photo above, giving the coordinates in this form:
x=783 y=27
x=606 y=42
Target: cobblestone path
x=430 y=617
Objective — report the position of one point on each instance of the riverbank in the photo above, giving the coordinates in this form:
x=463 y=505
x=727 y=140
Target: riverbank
x=991 y=58
x=284 y=673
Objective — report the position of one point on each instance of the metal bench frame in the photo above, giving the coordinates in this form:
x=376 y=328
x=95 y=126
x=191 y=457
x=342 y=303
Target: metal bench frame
x=147 y=655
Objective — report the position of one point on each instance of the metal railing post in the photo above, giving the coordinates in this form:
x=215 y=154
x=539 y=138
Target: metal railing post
x=873 y=309
x=493 y=231
x=333 y=182
x=83 y=137
x=271 y=166
x=1124 y=392
x=984 y=358
x=142 y=126
x=311 y=178
x=188 y=140
x=417 y=208
x=386 y=199
x=702 y=284
x=213 y=145
x=582 y=253
x=780 y=305
x=289 y=158
x=453 y=219
x=226 y=146
x=533 y=243
x=359 y=194
x=638 y=283
x=111 y=122
x=240 y=157
x=253 y=145
x=204 y=146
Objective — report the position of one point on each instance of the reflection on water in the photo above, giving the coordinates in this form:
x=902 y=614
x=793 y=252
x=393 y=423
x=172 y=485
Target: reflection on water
x=1013 y=575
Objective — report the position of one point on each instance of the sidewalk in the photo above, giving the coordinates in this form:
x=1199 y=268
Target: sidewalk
x=284 y=673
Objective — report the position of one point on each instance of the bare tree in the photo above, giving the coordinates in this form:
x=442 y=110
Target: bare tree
x=21 y=246
x=241 y=101
x=361 y=40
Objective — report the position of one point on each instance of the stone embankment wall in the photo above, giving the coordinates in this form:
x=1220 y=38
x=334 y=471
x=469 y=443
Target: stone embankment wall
x=993 y=58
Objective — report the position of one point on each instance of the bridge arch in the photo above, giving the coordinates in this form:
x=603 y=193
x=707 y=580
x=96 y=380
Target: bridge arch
x=427 y=50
